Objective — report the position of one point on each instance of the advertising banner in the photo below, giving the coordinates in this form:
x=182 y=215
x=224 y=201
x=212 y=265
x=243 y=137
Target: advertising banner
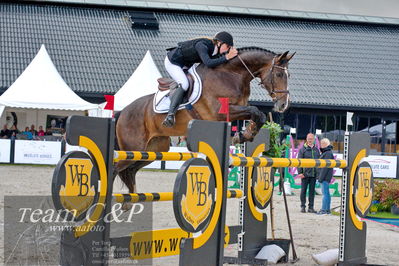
x=37 y=152
x=383 y=166
x=5 y=148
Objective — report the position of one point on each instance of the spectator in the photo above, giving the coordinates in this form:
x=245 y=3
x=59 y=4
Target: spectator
x=308 y=175
x=182 y=141
x=27 y=133
x=13 y=136
x=48 y=132
x=5 y=133
x=14 y=131
x=40 y=133
x=325 y=176
x=33 y=131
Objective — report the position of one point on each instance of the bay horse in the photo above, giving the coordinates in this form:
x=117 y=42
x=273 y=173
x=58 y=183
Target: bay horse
x=139 y=128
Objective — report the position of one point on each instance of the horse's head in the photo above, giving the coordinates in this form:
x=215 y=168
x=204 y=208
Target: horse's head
x=274 y=77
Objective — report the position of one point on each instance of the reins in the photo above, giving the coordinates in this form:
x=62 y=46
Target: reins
x=273 y=91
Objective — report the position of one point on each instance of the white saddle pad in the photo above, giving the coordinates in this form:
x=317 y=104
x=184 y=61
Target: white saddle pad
x=162 y=100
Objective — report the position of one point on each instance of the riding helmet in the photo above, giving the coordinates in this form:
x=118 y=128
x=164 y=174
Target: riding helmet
x=224 y=37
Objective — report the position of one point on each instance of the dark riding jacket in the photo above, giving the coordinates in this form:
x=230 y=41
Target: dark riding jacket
x=308 y=152
x=195 y=51
x=326 y=174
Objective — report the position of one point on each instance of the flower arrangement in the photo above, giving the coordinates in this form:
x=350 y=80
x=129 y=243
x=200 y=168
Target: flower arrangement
x=386 y=195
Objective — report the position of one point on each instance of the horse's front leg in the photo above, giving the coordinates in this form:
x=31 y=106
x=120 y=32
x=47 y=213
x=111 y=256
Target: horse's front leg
x=256 y=117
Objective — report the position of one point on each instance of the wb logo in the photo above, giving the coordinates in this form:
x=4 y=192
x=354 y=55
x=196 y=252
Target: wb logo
x=365 y=183
x=200 y=186
x=264 y=176
x=196 y=203
x=262 y=186
x=364 y=189
x=79 y=178
x=77 y=194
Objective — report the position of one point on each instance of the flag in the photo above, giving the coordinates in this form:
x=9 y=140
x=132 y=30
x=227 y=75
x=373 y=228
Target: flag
x=110 y=102
x=349 y=116
x=224 y=108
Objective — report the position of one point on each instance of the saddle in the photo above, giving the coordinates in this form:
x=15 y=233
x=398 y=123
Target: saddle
x=165 y=84
x=162 y=97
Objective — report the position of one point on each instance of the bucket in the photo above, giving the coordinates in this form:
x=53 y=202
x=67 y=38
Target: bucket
x=287 y=188
x=284 y=244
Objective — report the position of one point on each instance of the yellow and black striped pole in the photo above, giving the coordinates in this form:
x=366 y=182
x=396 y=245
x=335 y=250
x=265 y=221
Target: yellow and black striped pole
x=234 y=159
x=163 y=196
x=153 y=156
x=284 y=162
x=142 y=197
x=235 y=193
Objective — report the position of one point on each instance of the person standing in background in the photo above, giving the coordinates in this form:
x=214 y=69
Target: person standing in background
x=308 y=175
x=325 y=176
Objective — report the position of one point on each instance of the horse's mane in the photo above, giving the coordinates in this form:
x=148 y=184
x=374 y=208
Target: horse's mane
x=254 y=48
x=243 y=50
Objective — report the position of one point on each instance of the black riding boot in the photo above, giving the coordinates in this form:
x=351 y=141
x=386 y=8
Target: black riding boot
x=175 y=101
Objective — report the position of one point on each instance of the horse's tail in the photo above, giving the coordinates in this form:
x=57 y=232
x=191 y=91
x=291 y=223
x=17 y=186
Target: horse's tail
x=127 y=175
x=116 y=116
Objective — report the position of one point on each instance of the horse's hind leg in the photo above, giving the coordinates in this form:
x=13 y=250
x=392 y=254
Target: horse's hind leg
x=160 y=144
x=128 y=176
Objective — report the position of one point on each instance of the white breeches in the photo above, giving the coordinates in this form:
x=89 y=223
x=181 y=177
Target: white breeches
x=176 y=73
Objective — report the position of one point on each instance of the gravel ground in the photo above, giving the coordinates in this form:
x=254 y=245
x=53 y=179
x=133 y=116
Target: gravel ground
x=312 y=233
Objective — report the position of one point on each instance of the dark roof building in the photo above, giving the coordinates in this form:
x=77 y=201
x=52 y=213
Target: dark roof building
x=339 y=66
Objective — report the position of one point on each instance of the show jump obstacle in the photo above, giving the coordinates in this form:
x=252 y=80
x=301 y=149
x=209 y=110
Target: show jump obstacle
x=82 y=186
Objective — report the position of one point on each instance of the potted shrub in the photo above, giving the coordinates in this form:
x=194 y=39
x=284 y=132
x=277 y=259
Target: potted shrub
x=389 y=196
x=395 y=207
x=395 y=201
x=379 y=186
x=276 y=148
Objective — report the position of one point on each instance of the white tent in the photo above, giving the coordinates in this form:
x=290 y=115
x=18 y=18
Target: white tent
x=40 y=86
x=142 y=82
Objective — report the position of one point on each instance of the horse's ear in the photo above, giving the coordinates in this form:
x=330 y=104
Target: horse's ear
x=281 y=58
x=291 y=56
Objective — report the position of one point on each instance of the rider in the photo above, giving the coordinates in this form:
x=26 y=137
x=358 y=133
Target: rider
x=186 y=54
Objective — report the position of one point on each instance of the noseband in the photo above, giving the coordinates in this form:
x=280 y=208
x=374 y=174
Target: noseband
x=273 y=92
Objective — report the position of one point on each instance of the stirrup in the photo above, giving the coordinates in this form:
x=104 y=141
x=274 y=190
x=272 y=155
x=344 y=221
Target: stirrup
x=169 y=120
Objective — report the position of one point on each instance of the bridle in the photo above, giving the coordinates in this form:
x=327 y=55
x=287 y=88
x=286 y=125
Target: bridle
x=273 y=92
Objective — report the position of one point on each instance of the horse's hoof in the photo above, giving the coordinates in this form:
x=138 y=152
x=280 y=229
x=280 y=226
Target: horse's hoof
x=238 y=138
x=247 y=136
x=127 y=206
x=235 y=140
